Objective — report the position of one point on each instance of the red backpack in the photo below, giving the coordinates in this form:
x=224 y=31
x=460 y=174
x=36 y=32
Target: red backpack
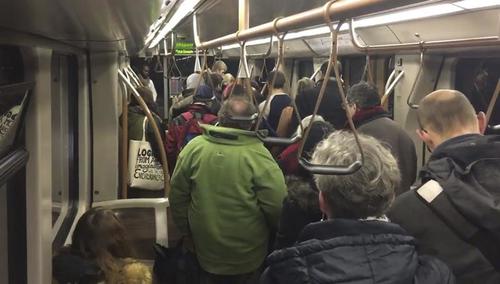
x=191 y=126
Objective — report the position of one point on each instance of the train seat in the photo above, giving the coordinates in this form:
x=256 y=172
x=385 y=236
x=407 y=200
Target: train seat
x=146 y=222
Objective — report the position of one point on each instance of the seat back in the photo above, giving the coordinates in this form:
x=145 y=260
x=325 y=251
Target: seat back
x=145 y=220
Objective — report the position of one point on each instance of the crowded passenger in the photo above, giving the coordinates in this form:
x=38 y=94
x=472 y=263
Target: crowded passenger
x=180 y=104
x=331 y=105
x=370 y=118
x=279 y=99
x=99 y=253
x=288 y=159
x=300 y=208
x=357 y=244
x=455 y=214
x=146 y=81
x=227 y=194
x=219 y=67
x=303 y=85
x=185 y=127
x=139 y=126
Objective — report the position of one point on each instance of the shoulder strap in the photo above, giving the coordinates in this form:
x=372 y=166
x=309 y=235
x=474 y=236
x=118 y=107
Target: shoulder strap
x=432 y=195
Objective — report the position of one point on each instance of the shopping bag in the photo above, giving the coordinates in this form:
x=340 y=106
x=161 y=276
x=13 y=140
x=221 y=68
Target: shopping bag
x=145 y=171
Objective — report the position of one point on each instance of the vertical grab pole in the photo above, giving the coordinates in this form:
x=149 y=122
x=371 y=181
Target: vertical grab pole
x=124 y=148
x=156 y=130
x=493 y=102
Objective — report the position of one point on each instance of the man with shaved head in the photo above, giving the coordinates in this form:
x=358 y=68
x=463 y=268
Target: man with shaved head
x=455 y=214
x=227 y=193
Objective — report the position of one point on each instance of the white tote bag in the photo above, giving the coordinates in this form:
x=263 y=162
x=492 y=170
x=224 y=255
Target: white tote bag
x=145 y=171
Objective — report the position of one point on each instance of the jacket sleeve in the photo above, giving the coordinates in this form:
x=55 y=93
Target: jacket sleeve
x=271 y=190
x=171 y=146
x=180 y=195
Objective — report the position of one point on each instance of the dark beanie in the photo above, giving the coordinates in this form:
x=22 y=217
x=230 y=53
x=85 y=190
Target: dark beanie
x=204 y=93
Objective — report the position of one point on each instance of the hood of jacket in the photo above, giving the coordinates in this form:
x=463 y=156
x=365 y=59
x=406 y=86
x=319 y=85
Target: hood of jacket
x=354 y=251
x=228 y=136
x=468 y=169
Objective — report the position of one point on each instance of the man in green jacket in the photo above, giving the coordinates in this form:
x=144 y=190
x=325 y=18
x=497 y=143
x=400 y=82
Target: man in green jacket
x=227 y=193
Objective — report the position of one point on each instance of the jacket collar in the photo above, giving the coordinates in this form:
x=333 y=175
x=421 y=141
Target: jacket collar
x=466 y=149
x=330 y=229
x=368 y=114
x=229 y=136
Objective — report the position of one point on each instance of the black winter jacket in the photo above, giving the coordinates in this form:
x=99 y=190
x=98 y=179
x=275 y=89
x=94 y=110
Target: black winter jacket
x=352 y=251
x=468 y=169
x=402 y=147
x=330 y=108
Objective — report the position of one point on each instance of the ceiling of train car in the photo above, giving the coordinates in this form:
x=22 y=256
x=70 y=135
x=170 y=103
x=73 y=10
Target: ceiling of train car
x=220 y=17
x=95 y=24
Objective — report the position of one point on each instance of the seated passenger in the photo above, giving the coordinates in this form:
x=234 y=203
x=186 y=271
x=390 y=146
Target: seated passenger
x=464 y=171
x=185 y=127
x=227 y=193
x=370 y=118
x=99 y=252
x=300 y=208
x=357 y=244
x=279 y=99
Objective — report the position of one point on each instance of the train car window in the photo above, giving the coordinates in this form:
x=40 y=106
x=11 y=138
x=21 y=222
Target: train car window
x=477 y=79
x=13 y=102
x=64 y=72
x=13 y=158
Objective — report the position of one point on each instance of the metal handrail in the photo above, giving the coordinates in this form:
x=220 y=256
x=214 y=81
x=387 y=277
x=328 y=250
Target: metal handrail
x=390 y=88
x=463 y=42
x=331 y=169
x=389 y=80
x=124 y=148
x=131 y=74
x=409 y=101
x=277 y=140
x=315 y=73
x=367 y=70
x=156 y=130
x=493 y=102
x=341 y=10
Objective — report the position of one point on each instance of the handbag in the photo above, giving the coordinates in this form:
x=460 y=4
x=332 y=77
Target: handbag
x=145 y=171
x=176 y=265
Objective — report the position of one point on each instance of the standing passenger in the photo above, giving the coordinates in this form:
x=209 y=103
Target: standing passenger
x=461 y=178
x=279 y=99
x=371 y=119
x=331 y=105
x=185 y=127
x=219 y=67
x=146 y=80
x=227 y=193
x=357 y=244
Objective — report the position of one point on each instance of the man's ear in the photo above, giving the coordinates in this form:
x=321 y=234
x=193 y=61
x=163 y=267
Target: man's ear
x=481 y=122
x=426 y=138
x=323 y=205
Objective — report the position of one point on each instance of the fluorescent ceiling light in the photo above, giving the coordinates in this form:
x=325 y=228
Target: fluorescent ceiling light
x=474 y=4
x=290 y=36
x=185 y=8
x=409 y=14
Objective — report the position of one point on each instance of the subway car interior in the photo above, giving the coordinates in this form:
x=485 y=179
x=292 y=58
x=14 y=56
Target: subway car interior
x=69 y=70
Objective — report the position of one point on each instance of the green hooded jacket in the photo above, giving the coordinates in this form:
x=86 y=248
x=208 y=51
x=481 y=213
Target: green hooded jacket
x=227 y=192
